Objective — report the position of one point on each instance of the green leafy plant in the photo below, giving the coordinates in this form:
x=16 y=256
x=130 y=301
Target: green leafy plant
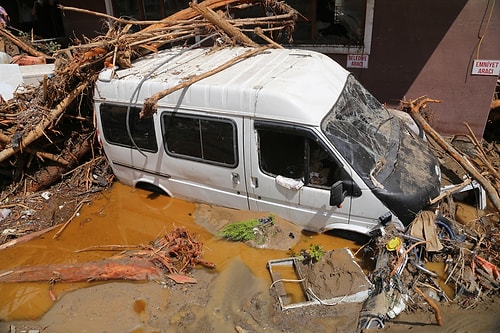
x=239 y=231
x=316 y=252
x=247 y=230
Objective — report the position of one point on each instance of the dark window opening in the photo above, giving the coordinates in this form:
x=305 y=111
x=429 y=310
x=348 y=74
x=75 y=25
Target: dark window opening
x=113 y=120
x=202 y=139
x=148 y=9
x=281 y=154
x=329 y=22
x=297 y=156
x=321 y=22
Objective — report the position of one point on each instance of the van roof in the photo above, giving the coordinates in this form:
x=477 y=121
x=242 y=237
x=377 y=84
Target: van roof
x=283 y=84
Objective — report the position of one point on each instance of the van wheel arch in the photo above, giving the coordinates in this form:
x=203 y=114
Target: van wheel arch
x=152 y=188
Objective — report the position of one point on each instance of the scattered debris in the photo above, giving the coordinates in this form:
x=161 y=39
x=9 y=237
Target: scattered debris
x=169 y=256
x=414 y=107
x=47 y=132
x=335 y=278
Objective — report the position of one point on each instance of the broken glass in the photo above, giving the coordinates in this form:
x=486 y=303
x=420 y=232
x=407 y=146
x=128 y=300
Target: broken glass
x=364 y=132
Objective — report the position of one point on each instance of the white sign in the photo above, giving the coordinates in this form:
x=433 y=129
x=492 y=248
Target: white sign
x=486 y=67
x=357 y=61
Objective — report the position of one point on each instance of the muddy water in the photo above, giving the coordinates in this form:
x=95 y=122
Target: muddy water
x=127 y=216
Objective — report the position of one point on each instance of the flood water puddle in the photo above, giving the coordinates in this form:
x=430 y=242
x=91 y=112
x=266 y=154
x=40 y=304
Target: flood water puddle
x=128 y=216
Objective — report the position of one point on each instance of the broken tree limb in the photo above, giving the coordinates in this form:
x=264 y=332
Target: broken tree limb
x=444 y=194
x=49 y=156
x=151 y=103
x=413 y=107
x=430 y=301
x=190 y=13
x=168 y=256
x=38 y=131
x=133 y=269
x=58 y=233
x=221 y=23
x=258 y=31
x=26 y=238
x=49 y=174
x=22 y=45
x=106 y=16
x=482 y=154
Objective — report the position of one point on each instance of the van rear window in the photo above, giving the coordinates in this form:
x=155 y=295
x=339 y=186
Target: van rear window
x=113 y=120
x=210 y=140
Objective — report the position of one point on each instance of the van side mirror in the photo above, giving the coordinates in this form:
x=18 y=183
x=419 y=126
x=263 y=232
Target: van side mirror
x=337 y=194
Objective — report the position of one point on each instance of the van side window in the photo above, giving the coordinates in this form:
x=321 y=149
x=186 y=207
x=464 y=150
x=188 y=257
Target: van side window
x=210 y=140
x=113 y=119
x=281 y=154
x=298 y=156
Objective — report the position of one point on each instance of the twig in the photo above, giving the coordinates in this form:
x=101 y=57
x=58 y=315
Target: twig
x=451 y=190
x=110 y=248
x=57 y=234
x=433 y=305
x=260 y=33
x=14 y=205
x=109 y=17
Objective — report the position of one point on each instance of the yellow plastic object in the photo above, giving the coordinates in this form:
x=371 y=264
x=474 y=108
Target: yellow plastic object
x=393 y=244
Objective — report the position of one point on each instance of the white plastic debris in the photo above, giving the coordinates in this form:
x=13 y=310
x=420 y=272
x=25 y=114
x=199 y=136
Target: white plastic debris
x=289 y=183
x=46 y=195
x=4 y=213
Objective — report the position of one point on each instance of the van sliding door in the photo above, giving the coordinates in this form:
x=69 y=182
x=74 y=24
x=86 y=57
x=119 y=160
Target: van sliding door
x=203 y=158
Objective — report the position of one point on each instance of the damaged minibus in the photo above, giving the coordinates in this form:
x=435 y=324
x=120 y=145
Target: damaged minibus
x=286 y=131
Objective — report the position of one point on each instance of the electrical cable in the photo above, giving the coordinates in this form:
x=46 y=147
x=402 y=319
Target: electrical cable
x=485 y=29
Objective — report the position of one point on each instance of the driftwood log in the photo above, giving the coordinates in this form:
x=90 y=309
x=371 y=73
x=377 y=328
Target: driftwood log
x=414 y=107
x=169 y=256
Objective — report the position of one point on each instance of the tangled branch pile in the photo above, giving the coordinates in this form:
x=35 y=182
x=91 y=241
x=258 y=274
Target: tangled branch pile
x=47 y=131
x=177 y=252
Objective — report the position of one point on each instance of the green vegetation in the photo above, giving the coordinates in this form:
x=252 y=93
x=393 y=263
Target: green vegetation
x=316 y=252
x=245 y=230
x=239 y=231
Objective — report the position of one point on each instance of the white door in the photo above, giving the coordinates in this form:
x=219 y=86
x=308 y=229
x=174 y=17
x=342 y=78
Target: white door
x=203 y=158
x=295 y=154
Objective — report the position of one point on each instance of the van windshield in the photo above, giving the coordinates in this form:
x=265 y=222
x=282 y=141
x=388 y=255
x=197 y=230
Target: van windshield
x=364 y=132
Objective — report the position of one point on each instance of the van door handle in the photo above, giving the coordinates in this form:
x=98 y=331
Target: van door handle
x=236 y=178
x=255 y=182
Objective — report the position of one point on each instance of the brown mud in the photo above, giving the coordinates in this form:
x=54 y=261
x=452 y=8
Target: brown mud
x=127 y=216
x=234 y=296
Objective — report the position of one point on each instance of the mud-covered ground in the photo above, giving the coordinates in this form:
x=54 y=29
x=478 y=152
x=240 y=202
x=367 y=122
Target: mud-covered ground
x=235 y=298
x=232 y=299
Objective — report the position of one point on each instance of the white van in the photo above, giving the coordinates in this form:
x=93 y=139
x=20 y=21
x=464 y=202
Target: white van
x=286 y=131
